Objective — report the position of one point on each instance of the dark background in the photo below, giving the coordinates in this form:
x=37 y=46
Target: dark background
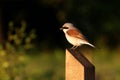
x=93 y=18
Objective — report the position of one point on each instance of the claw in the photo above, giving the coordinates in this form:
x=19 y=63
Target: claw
x=74 y=47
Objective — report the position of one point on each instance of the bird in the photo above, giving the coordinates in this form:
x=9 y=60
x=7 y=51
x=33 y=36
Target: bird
x=74 y=36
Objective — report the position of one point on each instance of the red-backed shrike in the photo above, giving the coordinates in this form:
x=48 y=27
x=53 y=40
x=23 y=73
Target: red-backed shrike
x=74 y=36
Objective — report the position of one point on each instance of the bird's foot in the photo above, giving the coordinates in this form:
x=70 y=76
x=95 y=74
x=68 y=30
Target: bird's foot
x=74 y=47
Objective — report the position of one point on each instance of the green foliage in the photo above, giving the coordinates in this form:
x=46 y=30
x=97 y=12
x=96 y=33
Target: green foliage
x=13 y=57
x=17 y=64
x=47 y=65
x=19 y=37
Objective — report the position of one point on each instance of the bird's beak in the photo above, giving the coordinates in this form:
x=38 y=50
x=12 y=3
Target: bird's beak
x=61 y=28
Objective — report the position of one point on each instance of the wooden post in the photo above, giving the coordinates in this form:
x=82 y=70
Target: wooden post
x=78 y=67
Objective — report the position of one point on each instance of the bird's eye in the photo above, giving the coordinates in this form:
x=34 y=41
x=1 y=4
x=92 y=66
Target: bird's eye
x=64 y=27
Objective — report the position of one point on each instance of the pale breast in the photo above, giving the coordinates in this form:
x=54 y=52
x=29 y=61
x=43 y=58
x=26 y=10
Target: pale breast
x=74 y=41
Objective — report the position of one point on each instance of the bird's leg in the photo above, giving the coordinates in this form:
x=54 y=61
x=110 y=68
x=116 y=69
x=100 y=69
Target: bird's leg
x=74 y=47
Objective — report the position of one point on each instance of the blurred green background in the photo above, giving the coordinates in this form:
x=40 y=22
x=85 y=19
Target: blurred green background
x=33 y=48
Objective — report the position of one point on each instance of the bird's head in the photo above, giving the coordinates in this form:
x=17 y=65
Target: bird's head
x=67 y=26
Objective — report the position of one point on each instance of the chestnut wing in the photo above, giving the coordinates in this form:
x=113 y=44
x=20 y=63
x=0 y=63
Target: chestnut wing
x=76 y=33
